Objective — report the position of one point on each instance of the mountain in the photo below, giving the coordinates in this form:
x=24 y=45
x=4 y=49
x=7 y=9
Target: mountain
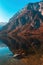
x=25 y=16
x=2 y=24
x=26 y=27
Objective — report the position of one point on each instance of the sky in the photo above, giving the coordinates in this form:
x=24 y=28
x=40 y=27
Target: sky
x=9 y=7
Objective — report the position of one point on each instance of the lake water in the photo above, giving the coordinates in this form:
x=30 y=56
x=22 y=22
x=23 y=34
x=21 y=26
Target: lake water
x=5 y=53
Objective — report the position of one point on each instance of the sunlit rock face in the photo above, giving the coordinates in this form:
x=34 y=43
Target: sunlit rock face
x=24 y=30
x=41 y=7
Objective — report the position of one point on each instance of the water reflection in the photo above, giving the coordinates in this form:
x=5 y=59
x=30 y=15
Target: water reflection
x=17 y=43
x=4 y=50
x=5 y=55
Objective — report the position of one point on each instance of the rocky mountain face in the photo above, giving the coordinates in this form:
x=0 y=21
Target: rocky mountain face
x=26 y=27
x=25 y=16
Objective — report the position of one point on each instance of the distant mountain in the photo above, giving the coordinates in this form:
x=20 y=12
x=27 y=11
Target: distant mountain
x=2 y=24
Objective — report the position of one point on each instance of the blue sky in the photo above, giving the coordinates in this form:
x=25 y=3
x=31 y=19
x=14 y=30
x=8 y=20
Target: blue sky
x=9 y=7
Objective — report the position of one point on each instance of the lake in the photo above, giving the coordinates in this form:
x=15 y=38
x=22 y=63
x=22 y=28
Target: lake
x=5 y=53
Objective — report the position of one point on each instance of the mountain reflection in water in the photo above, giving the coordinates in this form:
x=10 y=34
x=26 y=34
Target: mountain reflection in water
x=5 y=53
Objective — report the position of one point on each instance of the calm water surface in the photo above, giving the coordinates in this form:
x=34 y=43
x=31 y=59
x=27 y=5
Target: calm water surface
x=5 y=53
